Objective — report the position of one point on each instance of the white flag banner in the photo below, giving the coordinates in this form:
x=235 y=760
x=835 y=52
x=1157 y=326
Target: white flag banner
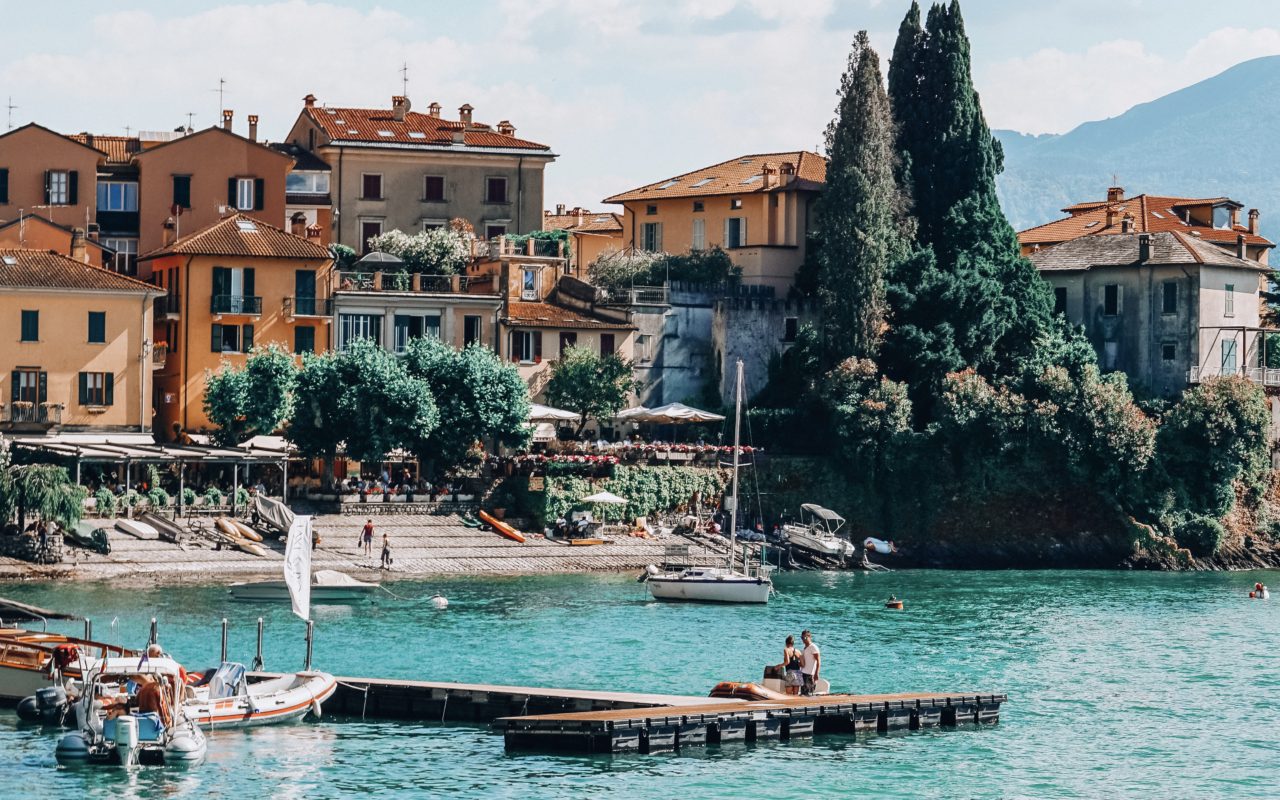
x=297 y=565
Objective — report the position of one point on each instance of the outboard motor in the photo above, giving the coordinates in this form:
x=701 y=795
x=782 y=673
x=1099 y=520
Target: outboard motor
x=126 y=738
x=52 y=703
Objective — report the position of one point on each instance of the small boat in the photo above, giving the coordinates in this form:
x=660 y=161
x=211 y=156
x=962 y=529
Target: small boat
x=137 y=529
x=894 y=604
x=30 y=661
x=165 y=529
x=470 y=521
x=327 y=586
x=818 y=535
x=228 y=699
x=90 y=536
x=501 y=527
x=132 y=738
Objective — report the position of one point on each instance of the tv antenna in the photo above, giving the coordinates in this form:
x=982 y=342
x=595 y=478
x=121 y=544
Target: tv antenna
x=10 y=108
x=404 y=80
x=190 y=116
x=221 y=90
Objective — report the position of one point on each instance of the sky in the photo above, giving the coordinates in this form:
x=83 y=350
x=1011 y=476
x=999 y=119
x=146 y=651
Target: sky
x=625 y=93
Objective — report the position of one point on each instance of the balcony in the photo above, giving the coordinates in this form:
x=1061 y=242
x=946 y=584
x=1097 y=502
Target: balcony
x=349 y=281
x=159 y=354
x=168 y=307
x=308 y=307
x=1258 y=375
x=27 y=416
x=638 y=296
x=236 y=304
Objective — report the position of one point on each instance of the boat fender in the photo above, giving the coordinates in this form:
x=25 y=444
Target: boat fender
x=315 y=709
x=72 y=747
x=29 y=709
x=439 y=601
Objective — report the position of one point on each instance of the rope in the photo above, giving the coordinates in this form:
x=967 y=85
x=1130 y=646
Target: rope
x=393 y=594
x=445 y=708
x=365 y=705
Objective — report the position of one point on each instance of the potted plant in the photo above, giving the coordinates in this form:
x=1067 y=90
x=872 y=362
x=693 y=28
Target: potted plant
x=499 y=504
x=105 y=503
x=188 y=496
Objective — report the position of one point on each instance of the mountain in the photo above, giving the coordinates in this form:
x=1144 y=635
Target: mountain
x=1217 y=137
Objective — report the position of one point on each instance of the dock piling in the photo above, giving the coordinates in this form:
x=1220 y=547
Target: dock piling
x=155 y=631
x=310 y=639
x=258 y=663
x=88 y=628
x=224 y=639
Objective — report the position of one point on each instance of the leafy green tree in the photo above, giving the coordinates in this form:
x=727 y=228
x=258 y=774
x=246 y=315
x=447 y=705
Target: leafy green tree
x=861 y=214
x=616 y=270
x=317 y=425
x=253 y=400
x=439 y=251
x=595 y=386
x=344 y=257
x=43 y=489
x=477 y=397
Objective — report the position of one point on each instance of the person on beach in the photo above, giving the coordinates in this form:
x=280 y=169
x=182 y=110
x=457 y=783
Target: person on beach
x=366 y=538
x=791 y=667
x=386 y=552
x=810 y=663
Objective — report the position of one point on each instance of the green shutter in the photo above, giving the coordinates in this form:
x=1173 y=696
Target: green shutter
x=217 y=338
x=16 y=393
x=73 y=187
x=4 y=185
x=231 y=192
x=84 y=388
x=109 y=387
x=249 y=282
x=247 y=344
x=258 y=201
x=46 y=186
x=44 y=387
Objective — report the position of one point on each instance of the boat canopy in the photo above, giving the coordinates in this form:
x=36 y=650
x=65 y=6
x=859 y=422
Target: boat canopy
x=822 y=513
x=134 y=665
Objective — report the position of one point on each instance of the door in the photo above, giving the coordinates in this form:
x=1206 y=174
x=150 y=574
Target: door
x=304 y=292
x=1229 y=357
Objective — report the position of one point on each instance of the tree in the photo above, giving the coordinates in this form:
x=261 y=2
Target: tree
x=477 y=397
x=595 y=386
x=439 y=251
x=343 y=257
x=250 y=401
x=317 y=425
x=861 y=214
x=44 y=489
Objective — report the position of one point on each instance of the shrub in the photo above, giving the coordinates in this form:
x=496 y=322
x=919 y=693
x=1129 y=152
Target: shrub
x=105 y=501
x=439 y=251
x=158 y=497
x=131 y=499
x=188 y=496
x=242 y=497
x=1200 y=534
x=213 y=496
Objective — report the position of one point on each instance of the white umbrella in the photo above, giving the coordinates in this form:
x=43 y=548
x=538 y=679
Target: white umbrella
x=630 y=414
x=605 y=498
x=540 y=413
x=676 y=414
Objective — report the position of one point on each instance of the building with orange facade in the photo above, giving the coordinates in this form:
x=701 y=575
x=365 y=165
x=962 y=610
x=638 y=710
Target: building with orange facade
x=34 y=232
x=591 y=234
x=237 y=283
x=44 y=172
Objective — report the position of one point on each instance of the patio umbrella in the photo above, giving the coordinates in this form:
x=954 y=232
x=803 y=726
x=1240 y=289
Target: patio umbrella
x=631 y=414
x=677 y=414
x=605 y=498
x=378 y=260
x=540 y=413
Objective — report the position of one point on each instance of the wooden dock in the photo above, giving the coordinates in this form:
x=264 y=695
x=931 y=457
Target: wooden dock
x=650 y=730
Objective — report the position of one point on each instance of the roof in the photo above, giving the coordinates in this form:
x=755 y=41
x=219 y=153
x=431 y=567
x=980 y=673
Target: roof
x=45 y=269
x=119 y=149
x=1151 y=214
x=213 y=129
x=37 y=126
x=303 y=159
x=379 y=126
x=584 y=222
x=29 y=217
x=551 y=315
x=242 y=235
x=1167 y=248
x=741 y=175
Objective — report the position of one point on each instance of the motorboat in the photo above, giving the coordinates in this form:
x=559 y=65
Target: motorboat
x=32 y=660
x=327 y=586
x=228 y=699
x=717 y=584
x=112 y=727
x=817 y=532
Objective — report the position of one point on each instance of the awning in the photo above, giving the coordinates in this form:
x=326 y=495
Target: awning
x=605 y=498
x=540 y=413
x=122 y=447
x=670 y=414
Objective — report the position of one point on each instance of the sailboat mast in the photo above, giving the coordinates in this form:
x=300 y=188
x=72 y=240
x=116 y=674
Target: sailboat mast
x=737 y=425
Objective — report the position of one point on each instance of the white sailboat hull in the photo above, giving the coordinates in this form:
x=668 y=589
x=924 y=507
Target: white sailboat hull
x=717 y=589
x=19 y=682
x=283 y=699
x=277 y=590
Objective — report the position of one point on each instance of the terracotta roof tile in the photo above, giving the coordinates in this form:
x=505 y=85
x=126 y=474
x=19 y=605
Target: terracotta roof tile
x=1151 y=214
x=119 y=149
x=242 y=235
x=379 y=125
x=1168 y=247
x=45 y=269
x=587 y=221
x=741 y=175
x=551 y=315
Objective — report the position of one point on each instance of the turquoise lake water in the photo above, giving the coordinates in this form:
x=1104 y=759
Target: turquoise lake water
x=1120 y=685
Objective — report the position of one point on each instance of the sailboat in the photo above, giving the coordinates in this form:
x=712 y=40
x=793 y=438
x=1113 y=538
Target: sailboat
x=717 y=584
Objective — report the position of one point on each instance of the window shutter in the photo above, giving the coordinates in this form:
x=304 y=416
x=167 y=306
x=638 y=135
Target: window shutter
x=742 y=232
x=727 y=243
x=109 y=387
x=258 y=186
x=84 y=388
x=15 y=392
x=658 y=244
x=46 y=186
x=537 y=345
x=44 y=387
x=231 y=192
x=249 y=282
x=247 y=344
x=1119 y=299
x=606 y=344
x=511 y=349
x=182 y=191
x=73 y=187
x=217 y=338
x=4 y=185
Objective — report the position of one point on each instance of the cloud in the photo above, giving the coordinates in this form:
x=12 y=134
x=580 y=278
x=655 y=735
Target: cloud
x=1052 y=90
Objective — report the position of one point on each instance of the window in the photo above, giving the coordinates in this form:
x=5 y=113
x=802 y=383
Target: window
x=1111 y=300
x=433 y=188
x=182 y=191
x=1221 y=217
x=642 y=353
x=698 y=236
x=1169 y=304
x=735 y=232
x=97 y=327
x=307 y=183
x=371 y=186
x=651 y=209
x=526 y=346
x=528 y=284
x=369 y=228
x=567 y=339
x=1229 y=357
x=1060 y=300
x=433 y=224
x=244 y=194
x=30 y=326
x=470 y=330
x=607 y=345
x=1168 y=351
x=495 y=190
x=125 y=261
x=233 y=291
x=359 y=326
x=4 y=186
x=1229 y=301
x=405 y=328
x=494 y=231
x=703 y=182
x=735 y=203
x=790 y=328
x=29 y=385
x=231 y=338
x=59 y=188
x=697 y=206
x=651 y=234
x=97 y=388
x=304 y=339
x=118 y=196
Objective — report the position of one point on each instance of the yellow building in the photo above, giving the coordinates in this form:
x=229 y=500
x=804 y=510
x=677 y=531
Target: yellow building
x=590 y=234
x=228 y=287
x=74 y=345
x=757 y=208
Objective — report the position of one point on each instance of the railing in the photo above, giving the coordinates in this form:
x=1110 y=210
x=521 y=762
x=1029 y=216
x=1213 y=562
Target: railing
x=169 y=306
x=159 y=354
x=235 y=304
x=1259 y=375
x=638 y=296
x=28 y=413
x=308 y=307
x=406 y=282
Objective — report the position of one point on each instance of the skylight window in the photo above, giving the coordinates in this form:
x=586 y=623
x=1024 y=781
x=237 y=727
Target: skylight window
x=10 y=260
x=745 y=161
x=669 y=184
x=417 y=135
x=247 y=225
x=387 y=134
x=341 y=121
x=752 y=179
x=352 y=131
x=1157 y=215
x=704 y=182
x=1091 y=224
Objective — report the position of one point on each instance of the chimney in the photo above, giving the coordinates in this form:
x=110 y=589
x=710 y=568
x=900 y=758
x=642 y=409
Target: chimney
x=434 y=110
x=1253 y=221
x=253 y=127
x=580 y=212
x=1235 y=217
x=786 y=173
x=88 y=139
x=399 y=107
x=464 y=114
x=298 y=224
x=768 y=175
x=227 y=115
x=1115 y=194
x=79 y=250
x=506 y=128
x=1112 y=214
x=1144 y=247
x=1241 y=252
x=559 y=209
x=170 y=232
x=1126 y=224
x=314 y=231
x=309 y=101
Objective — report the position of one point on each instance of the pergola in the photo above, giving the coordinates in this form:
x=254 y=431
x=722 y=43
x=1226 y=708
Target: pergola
x=139 y=449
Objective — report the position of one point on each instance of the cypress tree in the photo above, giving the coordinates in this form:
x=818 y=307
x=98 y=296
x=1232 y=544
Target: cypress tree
x=860 y=216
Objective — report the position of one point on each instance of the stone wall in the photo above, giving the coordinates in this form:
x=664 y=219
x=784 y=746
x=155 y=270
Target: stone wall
x=755 y=330
x=26 y=546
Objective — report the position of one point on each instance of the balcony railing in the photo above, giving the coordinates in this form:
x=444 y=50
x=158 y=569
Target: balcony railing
x=35 y=415
x=168 y=307
x=638 y=296
x=308 y=307
x=159 y=354
x=348 y=281
x=1259 y=375
x=235 y=304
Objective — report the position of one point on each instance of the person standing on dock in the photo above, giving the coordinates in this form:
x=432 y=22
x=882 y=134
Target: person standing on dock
x=386 y=552
x=791 y=667
x=366 y=538
x=810 y=662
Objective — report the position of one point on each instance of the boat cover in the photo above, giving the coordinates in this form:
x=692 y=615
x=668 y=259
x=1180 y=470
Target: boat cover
x=226 y=681
x=822 y=513
x=329 y=577
x=274 y=513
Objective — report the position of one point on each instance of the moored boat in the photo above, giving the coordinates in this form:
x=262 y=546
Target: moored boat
x=327 y=586
x=229 y=699
x=30 y=660
x=817 y=532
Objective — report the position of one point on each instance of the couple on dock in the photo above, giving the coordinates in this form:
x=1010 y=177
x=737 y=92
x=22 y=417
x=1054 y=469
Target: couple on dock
x=801 y=665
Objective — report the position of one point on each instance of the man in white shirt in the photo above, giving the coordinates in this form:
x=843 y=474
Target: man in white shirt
x=810 y=662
